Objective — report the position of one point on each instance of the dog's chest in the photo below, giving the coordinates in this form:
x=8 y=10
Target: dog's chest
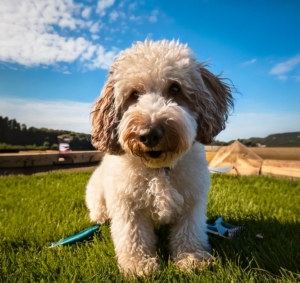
x=155 y=195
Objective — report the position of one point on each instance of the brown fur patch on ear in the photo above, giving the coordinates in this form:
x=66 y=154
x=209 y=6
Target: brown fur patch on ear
x=105 y=122
x=217 y=102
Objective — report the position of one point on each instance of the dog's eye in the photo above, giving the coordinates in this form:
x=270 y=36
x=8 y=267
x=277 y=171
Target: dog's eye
x=174 y=89
x=134 y=94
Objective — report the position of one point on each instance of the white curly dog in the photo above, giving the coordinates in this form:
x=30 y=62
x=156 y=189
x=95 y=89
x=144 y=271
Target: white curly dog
x=156 y=109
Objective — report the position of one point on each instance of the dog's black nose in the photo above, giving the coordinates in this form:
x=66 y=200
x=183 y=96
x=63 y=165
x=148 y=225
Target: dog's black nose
x=153 y=137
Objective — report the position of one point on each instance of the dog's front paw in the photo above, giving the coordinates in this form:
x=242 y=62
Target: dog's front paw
x=141 y=268
x=189 y=261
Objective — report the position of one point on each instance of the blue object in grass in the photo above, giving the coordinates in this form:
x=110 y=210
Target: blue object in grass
x=78 y=237
x=220 y=228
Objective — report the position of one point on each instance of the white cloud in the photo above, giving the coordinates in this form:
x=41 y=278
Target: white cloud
x=247 y=125
x=89 y=53
x=64 y=70
x=113 y=15
x=136 y=18
x=86 y=12
x=114 y=30
x=103 y=5
x=67 y=23
x=287 y=66
x=132 y=6
x=249 y=62
x=61 y=115
x=103 y=59
x=122 y=15
x=95 y=37
x=95 y=27
x=149 y=35
x=153 y=17
x=122 y=4
x=29 y=34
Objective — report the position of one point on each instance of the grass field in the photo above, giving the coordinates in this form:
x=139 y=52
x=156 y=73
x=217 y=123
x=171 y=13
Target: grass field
x=38 y=210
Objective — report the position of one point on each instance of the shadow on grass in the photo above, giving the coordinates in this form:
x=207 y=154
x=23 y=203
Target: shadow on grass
x=278 y=250
x=163 y=249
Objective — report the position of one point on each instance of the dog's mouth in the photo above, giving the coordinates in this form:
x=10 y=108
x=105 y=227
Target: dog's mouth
x=154 y=154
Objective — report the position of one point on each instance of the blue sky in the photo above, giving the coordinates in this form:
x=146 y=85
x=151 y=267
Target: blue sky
x=54 y=56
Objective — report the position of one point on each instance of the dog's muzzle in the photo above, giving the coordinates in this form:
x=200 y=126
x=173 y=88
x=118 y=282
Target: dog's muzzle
x=152 y=137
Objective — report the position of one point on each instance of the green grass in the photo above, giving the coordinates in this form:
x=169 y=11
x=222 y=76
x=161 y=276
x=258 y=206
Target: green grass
x=38 y=210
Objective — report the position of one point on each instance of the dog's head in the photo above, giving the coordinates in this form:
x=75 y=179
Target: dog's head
x=156 y=102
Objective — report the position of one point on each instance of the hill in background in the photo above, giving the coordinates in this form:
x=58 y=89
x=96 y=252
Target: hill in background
x=274 y=140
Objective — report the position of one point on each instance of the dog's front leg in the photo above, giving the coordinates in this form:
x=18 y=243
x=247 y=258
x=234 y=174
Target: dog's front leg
x=189 y=241
x=135 y=242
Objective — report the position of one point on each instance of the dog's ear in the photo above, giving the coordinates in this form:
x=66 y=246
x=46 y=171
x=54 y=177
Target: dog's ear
x=105 y=119
x=217 y=102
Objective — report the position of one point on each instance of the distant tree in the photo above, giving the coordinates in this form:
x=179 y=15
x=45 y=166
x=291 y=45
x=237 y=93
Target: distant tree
x=46 y=144
x=23 y=127
x=54 y=146
x=18 y=135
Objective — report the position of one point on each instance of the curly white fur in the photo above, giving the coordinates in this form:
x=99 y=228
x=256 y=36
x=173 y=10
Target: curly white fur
x=156 y=107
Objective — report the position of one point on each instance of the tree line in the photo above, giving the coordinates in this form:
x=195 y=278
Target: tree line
x=15 y=136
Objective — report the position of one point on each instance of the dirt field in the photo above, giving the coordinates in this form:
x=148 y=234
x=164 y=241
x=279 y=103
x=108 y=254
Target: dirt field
x=275 y=153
